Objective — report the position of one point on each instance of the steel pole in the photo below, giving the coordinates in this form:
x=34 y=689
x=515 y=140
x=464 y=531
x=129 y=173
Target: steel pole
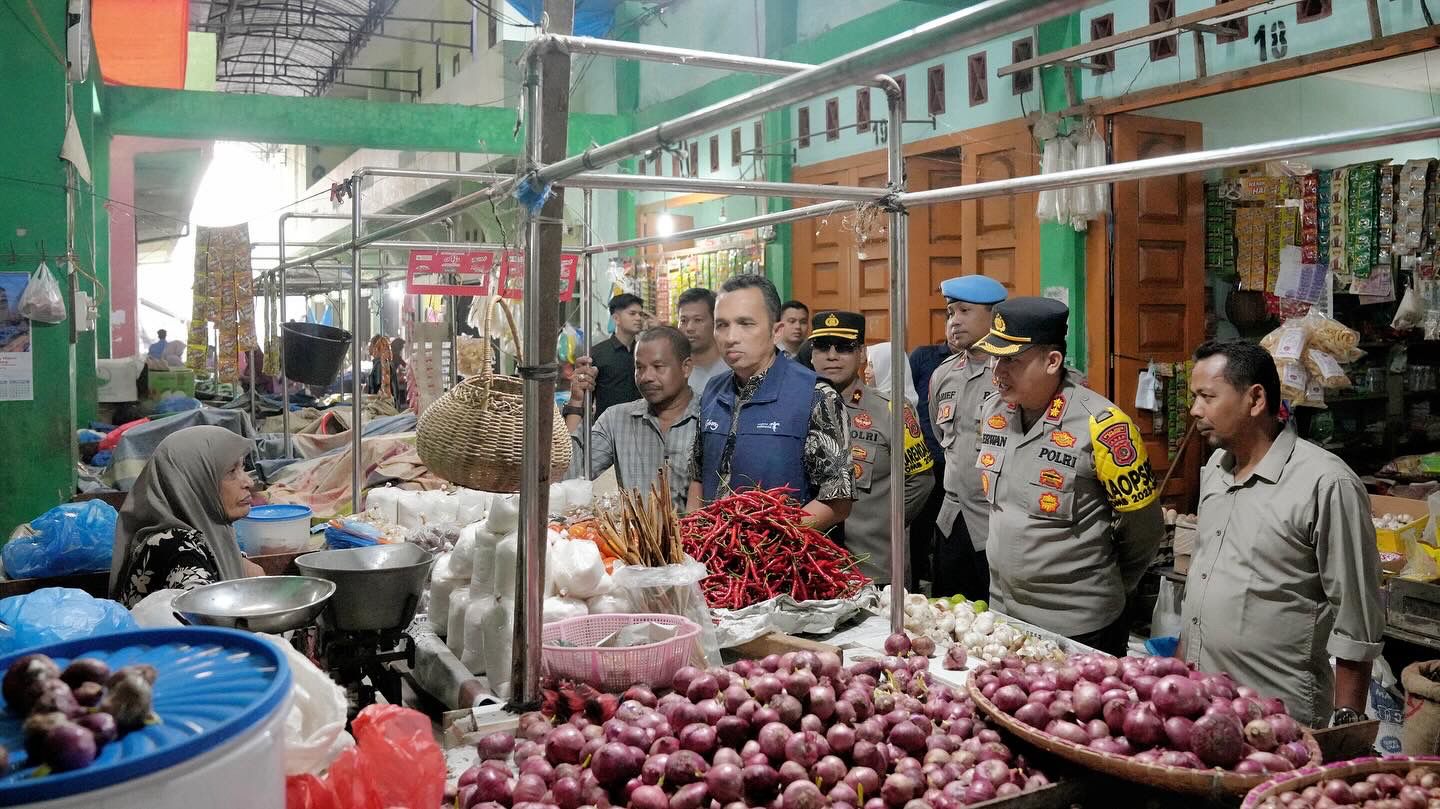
x=454 y=321
x=899 y=269
x=356 y=411
x=733 y=226
x=633 y=182
x=534 y=498
x=284 y=378
x=587 y=289
x=956 y=31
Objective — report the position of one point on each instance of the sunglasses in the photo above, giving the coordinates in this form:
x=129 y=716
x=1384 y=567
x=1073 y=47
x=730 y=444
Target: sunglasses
x=837 y=347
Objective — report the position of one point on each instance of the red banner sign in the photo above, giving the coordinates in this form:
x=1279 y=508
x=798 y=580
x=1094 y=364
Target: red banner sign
x=453 y=272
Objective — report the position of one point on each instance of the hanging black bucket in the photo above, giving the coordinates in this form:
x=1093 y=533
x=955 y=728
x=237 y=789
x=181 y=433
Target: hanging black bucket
x=314 y=353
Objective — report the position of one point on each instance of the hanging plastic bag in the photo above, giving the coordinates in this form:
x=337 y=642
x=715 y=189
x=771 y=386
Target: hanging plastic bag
x=53 y=614
x=395 y=764
x=1065 y=197
x=672 y=590
x=315 y=726
x=42 y=301
x=68 y=539
x=1165 y=620
x=1047 y=207
x=1094 y=147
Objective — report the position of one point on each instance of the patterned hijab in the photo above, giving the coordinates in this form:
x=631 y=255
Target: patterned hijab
x=180 y=488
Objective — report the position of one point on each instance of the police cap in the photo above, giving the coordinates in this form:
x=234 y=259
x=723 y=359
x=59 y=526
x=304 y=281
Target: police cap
x=1020 y=323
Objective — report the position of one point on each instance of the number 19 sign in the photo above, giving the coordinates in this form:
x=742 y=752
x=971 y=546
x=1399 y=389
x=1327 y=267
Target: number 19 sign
x=479 y=273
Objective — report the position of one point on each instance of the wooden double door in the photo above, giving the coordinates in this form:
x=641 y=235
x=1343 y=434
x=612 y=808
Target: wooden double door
x=1143 y=286
x=843 y=261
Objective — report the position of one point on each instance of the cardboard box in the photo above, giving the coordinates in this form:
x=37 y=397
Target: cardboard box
x=1395 y=541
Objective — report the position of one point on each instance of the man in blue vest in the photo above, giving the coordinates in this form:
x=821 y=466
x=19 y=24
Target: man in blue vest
x=768 y=421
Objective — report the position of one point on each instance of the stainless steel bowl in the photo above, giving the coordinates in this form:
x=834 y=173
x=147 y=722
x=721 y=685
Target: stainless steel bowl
x=377 y=587
x=260 y=604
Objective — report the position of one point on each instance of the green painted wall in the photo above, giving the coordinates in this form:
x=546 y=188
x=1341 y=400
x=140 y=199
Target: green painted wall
x=1062 y=249
x=332 y=121
x=780 y=27
x=37 y=436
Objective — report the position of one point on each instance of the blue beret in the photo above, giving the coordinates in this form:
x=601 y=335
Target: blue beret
x=973 y=289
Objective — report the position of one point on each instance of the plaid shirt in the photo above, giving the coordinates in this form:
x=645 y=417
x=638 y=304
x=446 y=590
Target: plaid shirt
x=627 y=436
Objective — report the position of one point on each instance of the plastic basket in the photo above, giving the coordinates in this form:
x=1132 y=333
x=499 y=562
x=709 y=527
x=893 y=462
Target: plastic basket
x=615 y=670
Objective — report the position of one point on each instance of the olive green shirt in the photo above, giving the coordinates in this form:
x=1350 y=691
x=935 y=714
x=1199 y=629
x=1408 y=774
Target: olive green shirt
x=1075 y=516
x=958 y=391
x=1285 y=575
x=867 y=529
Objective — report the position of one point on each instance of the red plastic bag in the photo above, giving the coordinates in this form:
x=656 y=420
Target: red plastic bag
x=395 y=764
x=308 y=792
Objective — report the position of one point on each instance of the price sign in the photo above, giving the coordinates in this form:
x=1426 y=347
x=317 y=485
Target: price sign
x=453 y=272
x=429 y=269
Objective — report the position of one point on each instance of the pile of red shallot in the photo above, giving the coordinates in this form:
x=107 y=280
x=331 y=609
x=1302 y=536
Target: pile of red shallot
x=1156 y=710
x=1417 y=789
x=797 y=731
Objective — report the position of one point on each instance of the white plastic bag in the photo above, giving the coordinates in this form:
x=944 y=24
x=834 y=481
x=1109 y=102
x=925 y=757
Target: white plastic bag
x=383 y=503
x=609 y=604
x=578 y=568
x=455 y=626
x=472 y=505
x=1047 y=205
x=441 y=591
x=497 y=624
x=473 y=657
x=154 y=611
x=504 y=514
x=42 y=301
x=1165 y=620
x=558 y=503
x=462 y=558
x=315 y=727
x=482 y=573
x=409 y=509
x=558 y=608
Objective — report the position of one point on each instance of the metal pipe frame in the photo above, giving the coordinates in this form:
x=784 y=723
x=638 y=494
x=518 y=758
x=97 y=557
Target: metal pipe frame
x=899 y=275
x=1383 y=135
x=587 y=302
x=357 y=497
x=534 y=498
x=980 y=23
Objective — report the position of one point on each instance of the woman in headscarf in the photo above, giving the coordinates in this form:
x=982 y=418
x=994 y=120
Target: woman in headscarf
x=877 y=372
x=176 y=529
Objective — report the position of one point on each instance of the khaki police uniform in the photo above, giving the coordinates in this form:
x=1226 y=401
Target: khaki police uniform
x=959 y=389
x=1075 y=514
x=867 y=529
x=1074 y=508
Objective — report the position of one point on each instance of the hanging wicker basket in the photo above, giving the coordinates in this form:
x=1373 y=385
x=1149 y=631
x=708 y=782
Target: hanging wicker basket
x=473 y=436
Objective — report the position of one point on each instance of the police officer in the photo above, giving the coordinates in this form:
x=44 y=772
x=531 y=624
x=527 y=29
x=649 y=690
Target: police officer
x=837 y=353
x=958 y=389
x=1074 y=510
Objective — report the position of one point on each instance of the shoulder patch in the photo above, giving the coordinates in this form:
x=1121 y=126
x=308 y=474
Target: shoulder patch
x=1116 y=438
x=1121 y=463
x=912 y=424
x=857 y=396
x=1056 y=411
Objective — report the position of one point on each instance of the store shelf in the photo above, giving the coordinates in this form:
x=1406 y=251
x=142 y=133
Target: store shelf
x=1372 y=397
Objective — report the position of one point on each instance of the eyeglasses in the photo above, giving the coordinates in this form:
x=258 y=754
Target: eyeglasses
x=838 y=348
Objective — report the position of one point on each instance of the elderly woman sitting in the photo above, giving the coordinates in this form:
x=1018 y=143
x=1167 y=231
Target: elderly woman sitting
x=176 y=529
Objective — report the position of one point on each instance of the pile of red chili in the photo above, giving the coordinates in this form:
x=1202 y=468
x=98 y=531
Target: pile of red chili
x=757 y=546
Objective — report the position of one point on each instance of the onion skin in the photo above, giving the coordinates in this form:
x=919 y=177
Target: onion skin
x=1217 y=740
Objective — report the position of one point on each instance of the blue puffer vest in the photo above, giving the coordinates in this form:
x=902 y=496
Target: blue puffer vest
x=770 y=439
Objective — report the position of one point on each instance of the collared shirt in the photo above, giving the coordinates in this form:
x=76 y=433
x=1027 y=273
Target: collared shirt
x=867 y=529
x=700 y=375
x=827 y=445
x=924 y=361
x=1075 y=516
x=1285 y=575
x=614 y=374
x=628 y=437
x=958 y=390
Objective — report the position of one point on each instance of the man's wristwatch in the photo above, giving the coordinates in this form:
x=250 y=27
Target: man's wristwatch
x=572 y=410
x=1344 y=716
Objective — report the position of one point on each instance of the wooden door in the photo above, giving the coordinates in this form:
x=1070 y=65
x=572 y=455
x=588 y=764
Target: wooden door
x=1158 y=283
x=825 y=250
x=872 y=260
x=936 y=245
x=1001 y=237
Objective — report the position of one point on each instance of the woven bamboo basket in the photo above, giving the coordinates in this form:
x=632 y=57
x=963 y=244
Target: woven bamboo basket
x=1210 y=783
x=1349 y=771
x=473 y=436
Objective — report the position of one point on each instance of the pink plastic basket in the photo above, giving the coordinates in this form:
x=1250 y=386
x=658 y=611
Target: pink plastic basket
x=617 y=669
